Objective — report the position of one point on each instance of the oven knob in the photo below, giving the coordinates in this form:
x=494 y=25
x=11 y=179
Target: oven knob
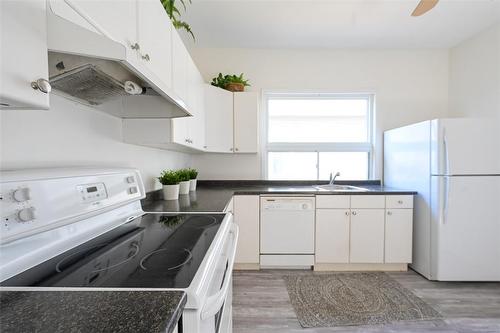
x=26 y=214
x=22 y=194
x=130 y=179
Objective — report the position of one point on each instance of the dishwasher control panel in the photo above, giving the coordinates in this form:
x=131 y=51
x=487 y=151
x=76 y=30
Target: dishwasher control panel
x=287 y=203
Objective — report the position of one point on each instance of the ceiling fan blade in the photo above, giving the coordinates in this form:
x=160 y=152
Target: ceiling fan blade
x=424 y=6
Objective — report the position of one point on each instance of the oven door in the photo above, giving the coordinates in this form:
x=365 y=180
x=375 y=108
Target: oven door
x=216 y=312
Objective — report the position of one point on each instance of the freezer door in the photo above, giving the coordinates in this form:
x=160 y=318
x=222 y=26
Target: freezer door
x=465 y=146
x=465 y=228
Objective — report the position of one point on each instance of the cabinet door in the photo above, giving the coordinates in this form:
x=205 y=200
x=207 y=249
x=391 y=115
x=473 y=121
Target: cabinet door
x=179 y=67
x=180 y=130
x=332 y=236
x=116 y=17
x=155 y=39
x=246 y=215
x=197 y=131
x=23 y=54
x=246 y=109
x=367 y=236
x=219 y=119
x=398 y=235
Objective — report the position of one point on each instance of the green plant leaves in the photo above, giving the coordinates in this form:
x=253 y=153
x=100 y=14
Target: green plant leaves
x=222 y=81
x=174 y=14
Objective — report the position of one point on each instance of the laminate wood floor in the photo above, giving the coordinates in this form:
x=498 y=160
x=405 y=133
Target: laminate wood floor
x=261 y=304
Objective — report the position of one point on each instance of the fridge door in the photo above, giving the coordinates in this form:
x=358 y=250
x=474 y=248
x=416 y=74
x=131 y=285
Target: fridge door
x=465 y=146
x=465 y=228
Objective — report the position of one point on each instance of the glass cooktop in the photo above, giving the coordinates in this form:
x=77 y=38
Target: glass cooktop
x=152 y=251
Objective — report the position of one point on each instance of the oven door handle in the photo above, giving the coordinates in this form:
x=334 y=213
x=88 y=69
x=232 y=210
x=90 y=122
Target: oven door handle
x=214 y=302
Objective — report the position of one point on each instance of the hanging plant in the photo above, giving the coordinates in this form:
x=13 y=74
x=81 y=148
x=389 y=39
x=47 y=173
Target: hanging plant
x=174 y=14
x=232 y=83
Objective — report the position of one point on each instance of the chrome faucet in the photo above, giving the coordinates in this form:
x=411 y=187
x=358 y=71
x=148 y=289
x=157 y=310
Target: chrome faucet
x=332 y=177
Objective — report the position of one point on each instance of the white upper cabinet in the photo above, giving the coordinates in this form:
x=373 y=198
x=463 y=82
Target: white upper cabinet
x=180 y=58
x=219 y=119
x=118 y=18
x=155 y=39
x=246 y=109
x=232 y=121
x=23 y=54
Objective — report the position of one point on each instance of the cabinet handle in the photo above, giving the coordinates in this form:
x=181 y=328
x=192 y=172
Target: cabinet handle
x=146 y=57
x=230 y=149
x=346 y=213
x=42 y=85
x=389 y=213
x=400 y=202
x=236 y=149
x=354 y=213
x=135 y=46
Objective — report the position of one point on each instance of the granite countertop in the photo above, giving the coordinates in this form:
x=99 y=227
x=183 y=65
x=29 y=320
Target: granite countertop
x=90 y=311
x=213 y=196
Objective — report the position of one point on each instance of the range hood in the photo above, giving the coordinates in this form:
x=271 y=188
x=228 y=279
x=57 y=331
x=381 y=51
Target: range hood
x=86 y=65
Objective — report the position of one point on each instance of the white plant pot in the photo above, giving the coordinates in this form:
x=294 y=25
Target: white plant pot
x=184 y=187
x=192 y=185
x=171 y=192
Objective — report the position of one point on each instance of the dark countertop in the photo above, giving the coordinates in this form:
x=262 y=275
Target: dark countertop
x=90 y=311
x=213 y=196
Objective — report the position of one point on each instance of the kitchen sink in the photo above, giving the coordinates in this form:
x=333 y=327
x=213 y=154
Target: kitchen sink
x=334 y=187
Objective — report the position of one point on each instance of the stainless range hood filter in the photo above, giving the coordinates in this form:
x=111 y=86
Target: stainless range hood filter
x=91 y=85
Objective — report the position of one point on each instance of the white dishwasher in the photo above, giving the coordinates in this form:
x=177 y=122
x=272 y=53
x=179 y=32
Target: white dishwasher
x=287 y=232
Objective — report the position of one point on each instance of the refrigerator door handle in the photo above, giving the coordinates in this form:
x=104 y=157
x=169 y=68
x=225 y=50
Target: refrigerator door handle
x=445 y=154
x=445 y=194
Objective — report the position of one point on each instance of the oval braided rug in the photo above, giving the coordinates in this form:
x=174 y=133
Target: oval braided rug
x=341 y=299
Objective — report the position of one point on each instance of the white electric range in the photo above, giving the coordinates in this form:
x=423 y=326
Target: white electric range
x=84 y=229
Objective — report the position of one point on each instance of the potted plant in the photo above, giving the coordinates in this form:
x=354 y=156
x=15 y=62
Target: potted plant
x=184 y=178
x=192 y=179
x=170 y=181
x=234 y=83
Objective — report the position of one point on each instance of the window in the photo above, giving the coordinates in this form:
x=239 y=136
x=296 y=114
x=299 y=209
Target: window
x=308 y=136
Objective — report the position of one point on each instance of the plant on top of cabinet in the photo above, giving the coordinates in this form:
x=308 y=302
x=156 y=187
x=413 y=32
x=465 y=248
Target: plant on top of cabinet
x=170 y=181
x=174 y=14
x=234 y=83
x=184 y=178
x=193 y=174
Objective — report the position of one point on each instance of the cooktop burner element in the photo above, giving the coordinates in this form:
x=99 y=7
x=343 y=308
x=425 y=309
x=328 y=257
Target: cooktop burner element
x=182 y=257
x=152 y=251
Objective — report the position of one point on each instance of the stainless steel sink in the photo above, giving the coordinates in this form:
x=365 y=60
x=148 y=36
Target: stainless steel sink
x=334 y=187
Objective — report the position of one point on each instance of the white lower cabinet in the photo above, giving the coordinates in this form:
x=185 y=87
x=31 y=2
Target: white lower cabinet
x=246 y=216
x=398 y=235
x=367 y=236
x=332 y=235
x=363 y=232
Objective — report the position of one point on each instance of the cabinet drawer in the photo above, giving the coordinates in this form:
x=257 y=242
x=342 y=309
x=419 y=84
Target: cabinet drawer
x=399 y=201
x=367 y=201
x=332 y=201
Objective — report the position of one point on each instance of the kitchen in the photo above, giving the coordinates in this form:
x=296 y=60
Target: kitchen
x=370 y=76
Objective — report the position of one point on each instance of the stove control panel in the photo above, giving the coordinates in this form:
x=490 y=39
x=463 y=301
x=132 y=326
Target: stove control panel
x=32 y=202
x=92 y=192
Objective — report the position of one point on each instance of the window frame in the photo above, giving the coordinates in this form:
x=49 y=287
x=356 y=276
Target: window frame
x=316 y=147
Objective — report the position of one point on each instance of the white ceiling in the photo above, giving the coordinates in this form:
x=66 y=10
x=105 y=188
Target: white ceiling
x=336 y=23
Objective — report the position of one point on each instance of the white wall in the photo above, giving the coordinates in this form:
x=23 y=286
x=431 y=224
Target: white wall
x=410 y=86
x=475 y=75
x=70 y=134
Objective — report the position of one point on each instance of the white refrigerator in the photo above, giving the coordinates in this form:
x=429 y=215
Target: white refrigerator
x=454 y=164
